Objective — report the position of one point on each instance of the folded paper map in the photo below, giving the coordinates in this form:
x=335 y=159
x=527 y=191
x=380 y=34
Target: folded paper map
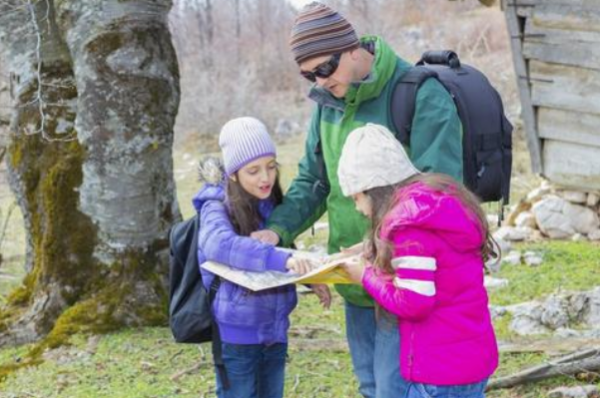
x=327 y=271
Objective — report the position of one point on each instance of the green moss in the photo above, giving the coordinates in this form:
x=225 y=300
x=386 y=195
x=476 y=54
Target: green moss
x=22 y=294
x=100 y=296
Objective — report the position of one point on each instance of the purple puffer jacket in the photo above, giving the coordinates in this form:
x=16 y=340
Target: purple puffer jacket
x=243 y=316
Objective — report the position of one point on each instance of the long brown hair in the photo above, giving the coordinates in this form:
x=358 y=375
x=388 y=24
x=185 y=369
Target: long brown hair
x=243 y=207
x=383 y=199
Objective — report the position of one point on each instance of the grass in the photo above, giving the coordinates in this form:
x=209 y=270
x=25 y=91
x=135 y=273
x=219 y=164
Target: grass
x=567 y=266
x=146 y=363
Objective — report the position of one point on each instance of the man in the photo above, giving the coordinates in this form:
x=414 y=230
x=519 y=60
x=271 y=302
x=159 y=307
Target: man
x=354 y=81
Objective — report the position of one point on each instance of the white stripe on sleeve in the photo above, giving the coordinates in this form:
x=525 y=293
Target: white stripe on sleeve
x=426 y=288
x=414 y=262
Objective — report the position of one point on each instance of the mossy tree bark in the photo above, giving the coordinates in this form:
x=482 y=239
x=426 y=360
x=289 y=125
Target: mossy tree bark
x=97 y=207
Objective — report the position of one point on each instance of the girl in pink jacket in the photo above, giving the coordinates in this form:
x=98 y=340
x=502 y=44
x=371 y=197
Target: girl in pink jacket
x=425 y=262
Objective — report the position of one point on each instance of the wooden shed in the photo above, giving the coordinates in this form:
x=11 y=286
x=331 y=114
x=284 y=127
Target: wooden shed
x=556 y=52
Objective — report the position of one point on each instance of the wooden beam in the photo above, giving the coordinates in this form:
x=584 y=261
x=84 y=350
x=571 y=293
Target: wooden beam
x=574 y=53
x=575 y=127
x=579 y=3
x=568 y=16
x=540 y=34
x=565 y=87
x=527 y=110
x=572 y=165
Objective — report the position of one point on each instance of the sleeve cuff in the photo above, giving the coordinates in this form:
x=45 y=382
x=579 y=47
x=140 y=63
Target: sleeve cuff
x=277 y=259
x=284 y=238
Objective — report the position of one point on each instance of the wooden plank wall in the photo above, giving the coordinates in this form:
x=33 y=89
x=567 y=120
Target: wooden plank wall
x=560 y=85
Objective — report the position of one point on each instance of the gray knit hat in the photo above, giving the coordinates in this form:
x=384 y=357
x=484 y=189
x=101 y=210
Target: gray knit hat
x=319 y=30
x=372 y=157
x=243 y=140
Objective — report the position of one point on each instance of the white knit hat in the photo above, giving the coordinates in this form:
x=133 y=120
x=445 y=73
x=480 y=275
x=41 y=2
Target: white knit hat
x=372 y=157
x=243 y=140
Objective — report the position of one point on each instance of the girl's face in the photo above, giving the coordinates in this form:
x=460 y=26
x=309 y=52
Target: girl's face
x=258 y=177
x=363 y=204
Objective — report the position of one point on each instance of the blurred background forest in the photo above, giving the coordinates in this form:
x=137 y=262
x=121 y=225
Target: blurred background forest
x=234 y=57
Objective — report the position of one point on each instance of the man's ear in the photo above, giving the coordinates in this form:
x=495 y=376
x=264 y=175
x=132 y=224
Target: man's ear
x=355 y=54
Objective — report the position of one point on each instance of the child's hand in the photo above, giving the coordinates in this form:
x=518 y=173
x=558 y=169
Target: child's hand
x=266 y=236
x=299 y=265
x=323 y=293
x=353 y=250
x=355 y=267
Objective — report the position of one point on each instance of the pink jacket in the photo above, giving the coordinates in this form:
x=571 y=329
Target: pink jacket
x=446 y=333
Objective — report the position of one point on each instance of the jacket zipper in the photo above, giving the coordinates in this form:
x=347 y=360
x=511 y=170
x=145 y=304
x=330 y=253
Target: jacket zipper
x=411 y=354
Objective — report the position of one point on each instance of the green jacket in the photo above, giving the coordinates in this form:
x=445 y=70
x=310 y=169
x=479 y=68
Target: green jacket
x=436 y=145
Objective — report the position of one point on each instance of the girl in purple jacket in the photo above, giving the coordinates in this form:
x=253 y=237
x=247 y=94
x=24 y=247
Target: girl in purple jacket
x=253 y=325
x=424 y=265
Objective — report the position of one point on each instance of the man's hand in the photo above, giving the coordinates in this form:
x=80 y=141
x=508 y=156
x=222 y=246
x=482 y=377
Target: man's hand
x=299 y=265
x=266 y=236
x=323 y=293
x=355 y=267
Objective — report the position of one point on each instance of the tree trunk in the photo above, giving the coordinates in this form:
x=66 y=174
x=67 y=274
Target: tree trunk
x=97 y=208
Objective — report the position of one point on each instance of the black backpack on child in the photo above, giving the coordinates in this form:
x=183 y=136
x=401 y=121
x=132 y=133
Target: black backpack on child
x=487 y=141
x=190 y=315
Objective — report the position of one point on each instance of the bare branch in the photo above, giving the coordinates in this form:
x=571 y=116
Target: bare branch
x=40 y=84
x=581 y=361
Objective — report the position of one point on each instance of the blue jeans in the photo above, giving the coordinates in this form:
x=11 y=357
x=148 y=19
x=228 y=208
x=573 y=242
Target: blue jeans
x=375 y=351
x=418 y=390
x=254 y=370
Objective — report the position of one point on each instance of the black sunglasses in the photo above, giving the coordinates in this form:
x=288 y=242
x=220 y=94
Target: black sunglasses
x=324 y=70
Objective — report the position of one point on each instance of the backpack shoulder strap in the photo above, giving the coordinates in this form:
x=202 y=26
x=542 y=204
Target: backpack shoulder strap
x=404 y=98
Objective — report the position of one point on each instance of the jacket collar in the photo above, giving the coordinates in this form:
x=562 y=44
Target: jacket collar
x=371 y=87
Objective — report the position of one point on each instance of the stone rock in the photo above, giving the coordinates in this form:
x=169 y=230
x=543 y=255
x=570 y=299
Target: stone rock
x=588 y=391
x=493 y=265
x=592 y=199
x=592 y=315
x=567 y=333
x=504 y=245
x=594 y=235
x=577 y=305
x=574 y=196
x=551 y=219
x=492 y=219
x=494 y=283
x=583 y=219
x=578 y=238
x=555 y=313
x=512 y=258
x=515 y=210
x=533 y=259
x=497 y=311
x=513 y=233
x=590 y=334
x=526 y=319
x=538 y=193
x=526 y=219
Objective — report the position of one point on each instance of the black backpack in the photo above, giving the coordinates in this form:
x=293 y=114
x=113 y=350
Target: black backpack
x=190 y=315
x=487 y=141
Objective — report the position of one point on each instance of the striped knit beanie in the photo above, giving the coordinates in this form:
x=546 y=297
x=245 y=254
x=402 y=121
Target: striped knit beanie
x=243 y=140
x=318 y=30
